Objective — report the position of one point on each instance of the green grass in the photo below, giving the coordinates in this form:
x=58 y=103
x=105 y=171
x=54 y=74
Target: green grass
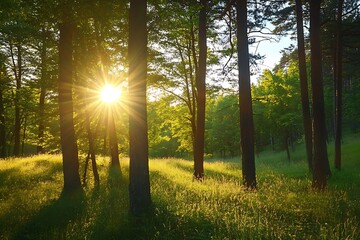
x=283 y=207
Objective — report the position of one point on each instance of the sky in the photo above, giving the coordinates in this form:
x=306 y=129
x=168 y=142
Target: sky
x=271 y=50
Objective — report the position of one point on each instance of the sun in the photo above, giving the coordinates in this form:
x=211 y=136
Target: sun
x=110 y=94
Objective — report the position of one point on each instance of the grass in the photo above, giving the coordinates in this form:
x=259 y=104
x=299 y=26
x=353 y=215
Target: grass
x=283 y=207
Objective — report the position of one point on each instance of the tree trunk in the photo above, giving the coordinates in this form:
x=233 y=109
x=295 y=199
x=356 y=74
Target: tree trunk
x=304 y=83
x=320 y=159
x=201 y=96
x=246 y=113
x=139 y=188
x=23 y=136
x=67 y=132
x=286 y=142
x=2 y=124
x=91 y=153
x=338 y=86
x=40 y=148
x=114 y=151
x=17 y=124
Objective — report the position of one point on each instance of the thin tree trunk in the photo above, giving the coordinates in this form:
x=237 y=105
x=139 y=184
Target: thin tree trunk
x=23 y=136
x=139 y=188
x=114 y=151
x=67 y=131
x=304 y=83
x=338 y=86
x=91 y=153
x=85 y=169
x=40 y=148
x=286 y=142
x=201 y=95
x=246 y=113
x=2 y=124
x=320 y=160
x=17 y=124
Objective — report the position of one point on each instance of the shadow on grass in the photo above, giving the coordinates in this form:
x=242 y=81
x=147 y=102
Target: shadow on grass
x=51 y=221
x=114 y=220
x=103 y=213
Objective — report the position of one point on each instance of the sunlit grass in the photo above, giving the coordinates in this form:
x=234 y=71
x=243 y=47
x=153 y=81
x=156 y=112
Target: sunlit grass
x=283 y=207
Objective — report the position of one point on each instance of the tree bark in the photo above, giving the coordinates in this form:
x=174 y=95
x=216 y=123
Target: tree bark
x=246 y=113
x=338 y=86
x=139 y=188
x=91 y=152
x=201 y=96
x=40 y=148
x=304 y=83
x=2 y=124
x=320 y=160
x=17 y=124
x=23 y=136
x=114 y=151
x=67 y=131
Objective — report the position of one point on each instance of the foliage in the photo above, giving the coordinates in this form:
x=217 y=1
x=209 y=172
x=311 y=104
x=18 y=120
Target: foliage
x=222 y=128
x=277 y=107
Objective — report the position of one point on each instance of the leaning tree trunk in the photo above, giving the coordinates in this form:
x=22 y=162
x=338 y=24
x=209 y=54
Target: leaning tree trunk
x=303 y=83
x=67 y=131
x=320 y=160
x=246 y=113
x=139 y=188
x=201 y=96
x=338 y=86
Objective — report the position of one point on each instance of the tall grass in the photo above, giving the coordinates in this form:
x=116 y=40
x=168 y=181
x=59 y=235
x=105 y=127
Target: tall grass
x=283 y=207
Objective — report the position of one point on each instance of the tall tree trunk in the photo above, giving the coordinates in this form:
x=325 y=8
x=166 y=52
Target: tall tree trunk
x=17 y=124
x=246 y=113
x=114 y=151
x=338 y=86
x=304 y=83
x=139 y=188
x=320 y=160
x=40 y=148
x=2 y=124
x=91 y=144
x=91 y=139
x=67 y=131
x=201 y=95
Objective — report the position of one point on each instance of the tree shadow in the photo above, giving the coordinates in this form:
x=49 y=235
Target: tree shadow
x=52 y=219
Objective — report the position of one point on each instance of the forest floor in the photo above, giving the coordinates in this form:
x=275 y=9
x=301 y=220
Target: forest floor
x=283 y=207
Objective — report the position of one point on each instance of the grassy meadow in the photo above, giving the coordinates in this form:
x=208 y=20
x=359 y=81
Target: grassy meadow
x=283 y=207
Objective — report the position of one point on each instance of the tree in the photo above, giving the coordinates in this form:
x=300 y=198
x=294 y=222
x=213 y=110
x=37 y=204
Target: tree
x=201 y=96
x=246 y=113
x=139 y=188
x=40 y=148
x=303 y=82
x=338 y=85
x=114 y=150
x=321 y=167
x=278 y=102
x=3 y=79
x=67 y=132
x=222 y=128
